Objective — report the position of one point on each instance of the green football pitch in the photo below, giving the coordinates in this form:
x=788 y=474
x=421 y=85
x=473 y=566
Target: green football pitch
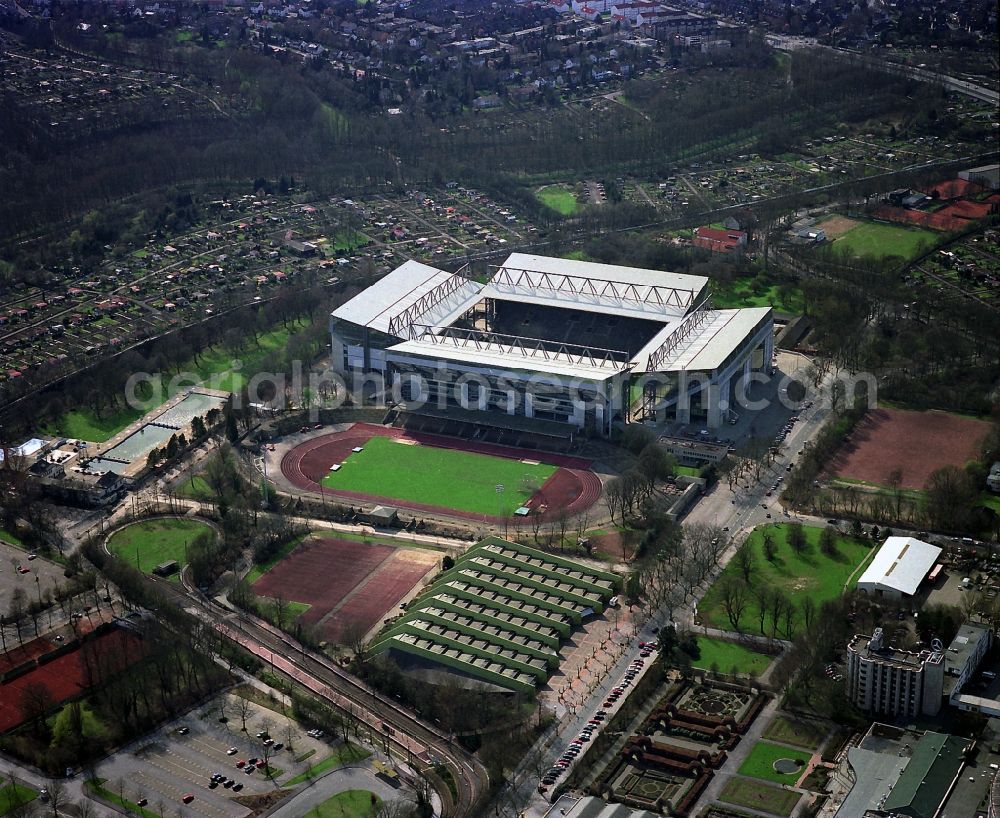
x=462 y=481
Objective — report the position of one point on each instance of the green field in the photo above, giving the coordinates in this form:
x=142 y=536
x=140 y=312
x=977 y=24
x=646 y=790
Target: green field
x=558 y=198
x=348 y=804
x=458 y=480
x=345 y=754
x=742 y=292
x=13 y=797
x=882 y=240
x=790 y=730
x=687 y=471
x=990 y=501
x=727 y=655
x=153 y=542
x=213 y=369
x=809 y=574
x=758 y=796
x=13 y=539
x=760 y=763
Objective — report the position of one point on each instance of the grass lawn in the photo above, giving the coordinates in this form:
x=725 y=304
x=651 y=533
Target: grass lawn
x=809 y=574
x=195 y=488
x=759 y=796
x=96 y=786
x=790 y=730
x=882 y=240
x=13 y=796
x=558 y=198
x=458 y=480
x=577 y=255
x=727 y=655
x=13 y=539
x=156 y=541
x=293 y=610
x=687 y=471
x=212 y=369
x=760 y=763
x=348 y=804
x=741 y=293
x=991 y=501
x=345 y=754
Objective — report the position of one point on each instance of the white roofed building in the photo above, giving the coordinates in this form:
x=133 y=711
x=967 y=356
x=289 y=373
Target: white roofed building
x=899 y=567
x=569 y=342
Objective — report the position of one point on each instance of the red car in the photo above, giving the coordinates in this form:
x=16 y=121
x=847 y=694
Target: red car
x=188 y=797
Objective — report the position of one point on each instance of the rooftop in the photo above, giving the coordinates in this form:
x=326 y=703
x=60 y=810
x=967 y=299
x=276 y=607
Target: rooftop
x=411 y=286
x=901 y=564
x=937 y=760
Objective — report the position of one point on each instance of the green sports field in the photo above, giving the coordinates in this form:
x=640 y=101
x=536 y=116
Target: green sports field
x=458 y=480
x=153 y=542
x=558 y=198
x=883 y=240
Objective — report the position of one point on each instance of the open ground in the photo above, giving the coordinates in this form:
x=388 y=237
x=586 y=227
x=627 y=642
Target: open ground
x=727 y=656
x=570 y=489
x=349 y=586
x=810 y=574
x=153 y=542
x=745 y=792
x=883 y=240
x=884 y=441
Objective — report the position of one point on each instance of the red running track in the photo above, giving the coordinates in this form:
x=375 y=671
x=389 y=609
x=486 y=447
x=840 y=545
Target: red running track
x=571 y=490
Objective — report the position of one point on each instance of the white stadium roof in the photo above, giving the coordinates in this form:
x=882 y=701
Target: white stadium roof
x=419 y=304
x=591 y=287
x=900 y=565
x=708 y=346
x=400 y=290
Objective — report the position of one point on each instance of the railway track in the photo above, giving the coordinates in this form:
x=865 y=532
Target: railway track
x=420 y=743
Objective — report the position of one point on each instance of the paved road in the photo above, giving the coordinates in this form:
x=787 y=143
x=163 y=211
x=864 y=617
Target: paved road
x=740 y=511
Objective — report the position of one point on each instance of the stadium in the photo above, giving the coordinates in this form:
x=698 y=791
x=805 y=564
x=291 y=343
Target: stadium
x=548 y=345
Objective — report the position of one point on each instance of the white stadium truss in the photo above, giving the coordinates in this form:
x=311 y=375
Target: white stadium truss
x=593 y=287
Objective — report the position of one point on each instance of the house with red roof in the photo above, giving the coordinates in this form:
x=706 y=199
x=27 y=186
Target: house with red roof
x=720 y=240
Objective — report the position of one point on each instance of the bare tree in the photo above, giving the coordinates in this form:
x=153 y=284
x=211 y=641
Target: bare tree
x=244 y=707
x=735 y=597
x=744 y=561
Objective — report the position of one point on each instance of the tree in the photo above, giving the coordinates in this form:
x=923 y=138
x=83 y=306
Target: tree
x=35 y=703
x=735 y=597
x=796 y=537
x=769 y=547
x=744 y=562
x=828 y=541
x=244 y=708
x=950 y=495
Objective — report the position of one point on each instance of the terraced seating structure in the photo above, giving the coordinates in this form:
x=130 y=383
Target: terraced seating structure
x=500 y=614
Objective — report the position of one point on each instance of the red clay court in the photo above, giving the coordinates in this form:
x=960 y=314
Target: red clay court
x=917 y=443
x=572 y=489
x=68 y=676
x=350 y=585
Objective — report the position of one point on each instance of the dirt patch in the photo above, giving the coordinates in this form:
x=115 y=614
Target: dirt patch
x=916 y=443
x=611 y=545
x=836 y=226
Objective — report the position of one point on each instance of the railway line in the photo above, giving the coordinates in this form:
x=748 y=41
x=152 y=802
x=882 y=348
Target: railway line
x=420 y=743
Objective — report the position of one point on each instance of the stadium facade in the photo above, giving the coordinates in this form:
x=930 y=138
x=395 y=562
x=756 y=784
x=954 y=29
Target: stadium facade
x=568 y=342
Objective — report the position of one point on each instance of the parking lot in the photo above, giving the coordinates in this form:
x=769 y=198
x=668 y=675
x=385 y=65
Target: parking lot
x=182 y=758
x=18 y=570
